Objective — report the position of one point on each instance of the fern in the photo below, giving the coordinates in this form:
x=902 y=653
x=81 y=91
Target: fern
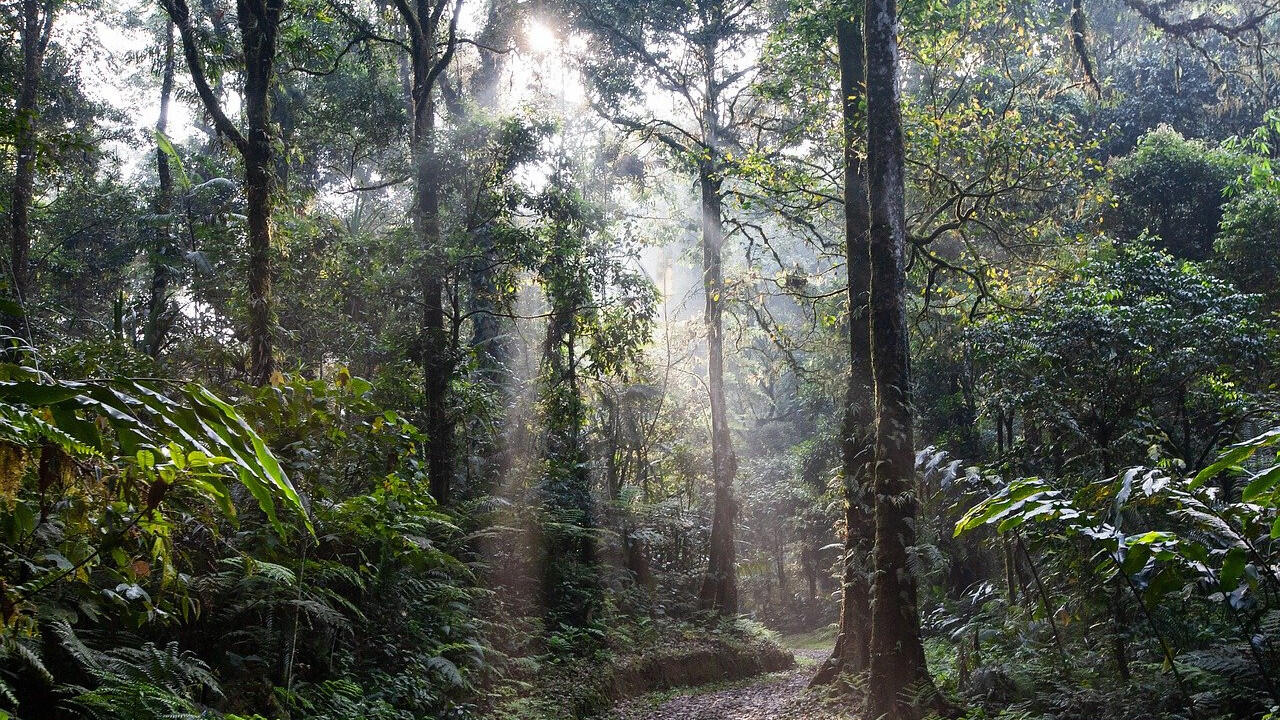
x=21 y=426
x=169 y=667
x=88 y=659
x=273 y=571
x=447 y=670
x=320 y=611
x=339 y=700
x=120 y=699
x=375 y=621
x=17 y=650
x=148 y=683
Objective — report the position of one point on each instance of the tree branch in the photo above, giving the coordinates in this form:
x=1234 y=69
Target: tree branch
x=181 y=16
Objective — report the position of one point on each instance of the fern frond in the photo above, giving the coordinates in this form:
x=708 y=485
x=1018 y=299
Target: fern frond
x=87 y=658
x=15 y=649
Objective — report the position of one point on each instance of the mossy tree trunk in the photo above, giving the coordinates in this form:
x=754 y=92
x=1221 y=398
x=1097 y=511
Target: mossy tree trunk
x=852 y=648
x=899 y=686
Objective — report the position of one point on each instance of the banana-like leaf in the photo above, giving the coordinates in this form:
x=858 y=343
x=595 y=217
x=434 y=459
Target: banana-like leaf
x=166 y=147
x=146 y=422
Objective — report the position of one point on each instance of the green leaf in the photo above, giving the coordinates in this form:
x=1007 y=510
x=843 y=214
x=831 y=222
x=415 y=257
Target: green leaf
x=1261 y=484
x=359 y=386
x=1233 y=564
x=39 y=394
x=1236 y=454
x=269 y=473
x=1135 y=558
x=1168 y=580
x=199 y=433
x=24 y=521
x=996 y=506
x=1155 y=536
x=166 y=147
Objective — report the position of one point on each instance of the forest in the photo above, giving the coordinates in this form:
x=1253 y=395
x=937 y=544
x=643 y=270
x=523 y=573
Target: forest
x=640 y=359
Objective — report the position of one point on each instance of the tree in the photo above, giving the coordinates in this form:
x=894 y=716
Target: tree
x=1251 y=217
x=1141 y=345
x=899 y=675
x=852 y=649
x=159 y=310
x=488 y=197
x=1244 y=250
x=259 y=23
x=691 y=51
x=571 y=584
x=1129 y=358
x=1172 y=188
x=984 y=150
x=35 y=29
x=489 y=326
x=599 y=318
x=428 y=59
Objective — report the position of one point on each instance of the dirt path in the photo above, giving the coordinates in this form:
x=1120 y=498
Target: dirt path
x=771 y=697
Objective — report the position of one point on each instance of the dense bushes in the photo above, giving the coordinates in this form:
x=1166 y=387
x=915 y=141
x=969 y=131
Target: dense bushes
x=168 y=564
x=1127 y=560
x=163 y=565
x=1172 y=188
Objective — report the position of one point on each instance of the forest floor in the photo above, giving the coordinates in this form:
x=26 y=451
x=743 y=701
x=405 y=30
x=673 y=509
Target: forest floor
x=776 y=696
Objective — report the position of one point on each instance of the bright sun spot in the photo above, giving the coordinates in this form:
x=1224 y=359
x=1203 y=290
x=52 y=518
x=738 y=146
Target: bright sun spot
x=540 y=37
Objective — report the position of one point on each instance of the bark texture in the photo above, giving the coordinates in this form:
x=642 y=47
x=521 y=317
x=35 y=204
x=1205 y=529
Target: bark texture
x=852 y=649
x=428 y=60
x=720 y=585
x=900 y=685
x=259 y=24
x=435 y=340
x=36 y=23
x=159 y=313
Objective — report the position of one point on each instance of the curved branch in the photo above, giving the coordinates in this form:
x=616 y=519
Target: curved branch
x=180 y=13
x=1204 y=22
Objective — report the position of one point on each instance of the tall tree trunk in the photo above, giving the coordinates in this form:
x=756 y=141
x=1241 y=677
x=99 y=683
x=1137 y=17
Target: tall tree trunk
x=259 y=24
x=159 y=314
x=720 y=585
x=428 y=62
x=852 y=648
x=435 y=341
x=899 y=682
x=36 y=26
